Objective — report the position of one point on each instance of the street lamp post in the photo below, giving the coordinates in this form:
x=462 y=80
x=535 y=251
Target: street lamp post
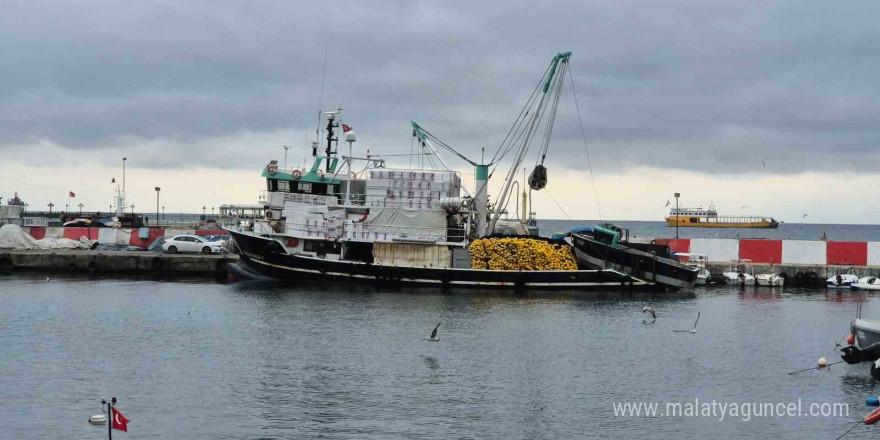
x=163 y=212
x=212 y=212
x=132 y=209
x=50 y=207
x=677 y=195
x=157 y=205
x=80 y=209
x=203 y=213
x=286 y=147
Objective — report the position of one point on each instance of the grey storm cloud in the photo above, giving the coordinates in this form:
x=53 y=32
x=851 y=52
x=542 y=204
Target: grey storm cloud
x=686 y=84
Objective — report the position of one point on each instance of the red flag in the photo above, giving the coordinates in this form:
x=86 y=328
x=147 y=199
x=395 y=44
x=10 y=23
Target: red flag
x=119 y=421
x=345 y=128
x=72 y=194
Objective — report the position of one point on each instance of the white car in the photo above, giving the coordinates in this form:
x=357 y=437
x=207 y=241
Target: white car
x=192 y=243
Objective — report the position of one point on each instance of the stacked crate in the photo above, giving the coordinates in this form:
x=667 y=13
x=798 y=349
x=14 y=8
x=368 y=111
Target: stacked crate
x=312 y=221
x=411 y=189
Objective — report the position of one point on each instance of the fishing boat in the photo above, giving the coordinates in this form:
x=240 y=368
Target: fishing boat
x=841 y=281
x=739 y=273
x=709 y=218
x=602 y=249
x=769 y=280
x=404 y=225
x=699 y=261
x=867 y=283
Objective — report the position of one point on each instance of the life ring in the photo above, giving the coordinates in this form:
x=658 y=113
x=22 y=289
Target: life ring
x=269 y=215
x=296 y=174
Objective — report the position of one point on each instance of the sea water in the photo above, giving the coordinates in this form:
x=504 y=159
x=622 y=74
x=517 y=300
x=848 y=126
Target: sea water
x=267 y=361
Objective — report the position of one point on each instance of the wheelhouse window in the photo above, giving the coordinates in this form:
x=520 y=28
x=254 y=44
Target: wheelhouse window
x=283 y=186
x=304 y=187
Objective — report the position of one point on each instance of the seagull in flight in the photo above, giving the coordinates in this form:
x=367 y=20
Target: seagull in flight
x=667 y=202
x=805 y=215
x=192 y=310
x=650 y=310
x=434 y=337
x=48 y=279
x=763 y=165
x=744 y=207
x=695 y=326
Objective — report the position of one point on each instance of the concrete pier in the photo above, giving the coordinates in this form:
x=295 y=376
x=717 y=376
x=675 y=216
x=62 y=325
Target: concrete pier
x=121 y=262
x=807 y=275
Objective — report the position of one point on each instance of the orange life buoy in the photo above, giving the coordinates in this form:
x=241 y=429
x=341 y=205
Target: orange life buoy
x=296 y=174
x=872 y=417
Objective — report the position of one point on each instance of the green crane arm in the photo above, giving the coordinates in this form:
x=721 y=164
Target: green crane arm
x=562 y=56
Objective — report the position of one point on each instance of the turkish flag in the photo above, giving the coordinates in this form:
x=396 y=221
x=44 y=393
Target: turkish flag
x=72 y=194
x=119 y=421
x=345 y=128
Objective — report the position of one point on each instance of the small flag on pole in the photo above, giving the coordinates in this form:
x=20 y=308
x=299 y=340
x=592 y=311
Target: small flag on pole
x=345 y=128
x=72 y=194
x=119 y=421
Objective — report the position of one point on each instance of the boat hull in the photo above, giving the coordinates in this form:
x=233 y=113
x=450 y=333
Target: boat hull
x=268 y=257
x=637 y=263
x=704 y=222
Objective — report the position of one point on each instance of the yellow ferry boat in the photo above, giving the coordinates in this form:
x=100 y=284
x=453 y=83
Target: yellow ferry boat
x=709 y=218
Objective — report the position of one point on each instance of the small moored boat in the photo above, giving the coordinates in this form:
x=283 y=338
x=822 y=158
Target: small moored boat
x=699 y=261
x=769 y=279
x=867 y=283
x=740 y=273
x=841 y=281
x=865 y=343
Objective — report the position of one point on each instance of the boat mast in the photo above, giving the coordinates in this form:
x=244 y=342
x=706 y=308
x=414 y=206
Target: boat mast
x=530 y=133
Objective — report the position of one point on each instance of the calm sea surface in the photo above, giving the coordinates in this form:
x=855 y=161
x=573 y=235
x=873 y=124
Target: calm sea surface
x=266 y=361
x=788 y=231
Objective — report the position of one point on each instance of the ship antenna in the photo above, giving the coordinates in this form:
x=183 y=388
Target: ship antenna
x=321 y=96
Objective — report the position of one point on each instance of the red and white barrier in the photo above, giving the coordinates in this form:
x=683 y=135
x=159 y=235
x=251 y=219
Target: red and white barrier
x=856 y=253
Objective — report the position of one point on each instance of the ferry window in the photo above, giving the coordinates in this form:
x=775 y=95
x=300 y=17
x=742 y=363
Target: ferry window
x=283 y=186
x=695 y=220
x=304 y=187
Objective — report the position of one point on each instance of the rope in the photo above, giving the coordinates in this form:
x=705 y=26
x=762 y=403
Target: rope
x=586 y=150
x=557 y=203
x=815 y=368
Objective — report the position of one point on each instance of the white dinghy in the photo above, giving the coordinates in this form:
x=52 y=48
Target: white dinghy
x=867 y=283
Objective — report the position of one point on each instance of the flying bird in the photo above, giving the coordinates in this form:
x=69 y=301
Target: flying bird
x=744 y=207
x=805 y=215
x=48 y=279
x=650 y=310
x=667 y=202
x=192 y=310
x=695 y=326
x=763 y=165
x=434 y=337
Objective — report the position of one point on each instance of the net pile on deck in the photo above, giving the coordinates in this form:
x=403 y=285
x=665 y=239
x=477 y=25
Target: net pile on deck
x=520 y=254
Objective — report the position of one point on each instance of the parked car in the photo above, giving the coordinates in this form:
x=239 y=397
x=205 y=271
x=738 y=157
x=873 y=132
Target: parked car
x=191 y=243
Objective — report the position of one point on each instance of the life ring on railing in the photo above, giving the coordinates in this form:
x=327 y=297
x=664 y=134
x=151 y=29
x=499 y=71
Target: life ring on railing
x=296 y=174
x=269 y=215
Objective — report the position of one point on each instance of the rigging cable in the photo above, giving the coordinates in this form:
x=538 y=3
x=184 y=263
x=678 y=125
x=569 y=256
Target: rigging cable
x=519 y=120
x=557 y=203
x=586 y=150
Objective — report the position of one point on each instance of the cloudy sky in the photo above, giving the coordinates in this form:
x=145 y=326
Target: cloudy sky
x=683 y=95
